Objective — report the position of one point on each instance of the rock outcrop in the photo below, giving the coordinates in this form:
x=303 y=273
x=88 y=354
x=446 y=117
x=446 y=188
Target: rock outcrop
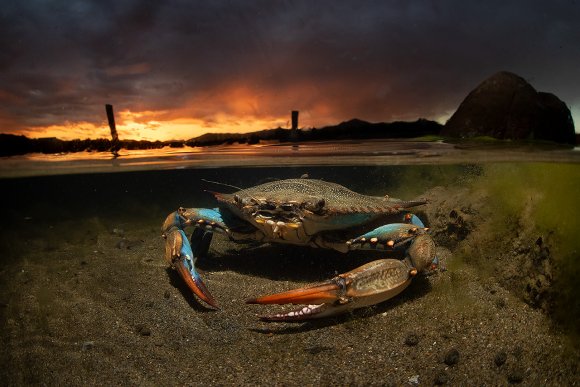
x=505 y=106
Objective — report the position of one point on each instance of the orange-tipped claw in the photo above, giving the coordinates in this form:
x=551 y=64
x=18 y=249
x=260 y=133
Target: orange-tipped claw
x=195 y=283
x=369 y=284
x=314 y=294
x=179 y=254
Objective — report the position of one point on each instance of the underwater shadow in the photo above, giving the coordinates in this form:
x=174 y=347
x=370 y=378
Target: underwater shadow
x=287 y=262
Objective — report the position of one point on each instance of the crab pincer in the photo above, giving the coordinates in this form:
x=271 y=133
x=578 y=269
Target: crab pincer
x=179 y=254
x=366 y=285
x=369 y=284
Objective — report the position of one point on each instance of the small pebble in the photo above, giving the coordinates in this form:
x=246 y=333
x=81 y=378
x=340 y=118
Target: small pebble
x=414 y=380
x=441 y=378
x=515 y=376
x=411 y=340
x=452 y=357
x=119 y=231
x=88 y=345
x=143 y=330
x=122 y=244
x=500 y=358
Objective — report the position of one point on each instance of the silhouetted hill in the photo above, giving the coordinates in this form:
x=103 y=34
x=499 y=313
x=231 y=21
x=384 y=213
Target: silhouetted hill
x=354 y=129
x=506 y=106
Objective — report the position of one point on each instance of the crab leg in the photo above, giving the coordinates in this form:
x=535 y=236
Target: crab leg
x=408 y=238
x=182 y=255
x=413 y=219
x=395 y=236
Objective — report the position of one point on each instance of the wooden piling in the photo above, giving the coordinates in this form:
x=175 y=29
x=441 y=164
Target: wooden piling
x=294 y=130
x=114 y=136
x=294 y=119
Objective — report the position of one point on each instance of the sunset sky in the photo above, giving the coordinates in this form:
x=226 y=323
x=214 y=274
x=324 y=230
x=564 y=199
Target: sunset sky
x=177 y=69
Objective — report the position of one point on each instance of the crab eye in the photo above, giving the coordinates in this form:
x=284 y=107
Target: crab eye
x=315 y=205
x=237 y=199
x=268 y=207
x=287 y=207
x=247 y=201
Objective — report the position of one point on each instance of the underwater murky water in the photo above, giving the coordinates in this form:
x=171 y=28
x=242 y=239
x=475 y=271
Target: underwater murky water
x=82 y=274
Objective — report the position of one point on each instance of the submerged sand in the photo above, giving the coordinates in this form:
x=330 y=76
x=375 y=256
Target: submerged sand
x=89 y=300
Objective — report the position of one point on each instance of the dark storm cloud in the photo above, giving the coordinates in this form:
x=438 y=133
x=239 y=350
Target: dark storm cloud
x=377 y=60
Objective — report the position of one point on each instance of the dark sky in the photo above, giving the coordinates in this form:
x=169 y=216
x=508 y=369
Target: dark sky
x=219 y=64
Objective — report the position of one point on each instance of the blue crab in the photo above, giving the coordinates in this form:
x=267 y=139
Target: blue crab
x=311 y=213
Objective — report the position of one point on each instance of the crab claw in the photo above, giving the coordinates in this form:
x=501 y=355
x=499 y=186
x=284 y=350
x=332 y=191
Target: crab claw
x=366 y=285
x=179 y=254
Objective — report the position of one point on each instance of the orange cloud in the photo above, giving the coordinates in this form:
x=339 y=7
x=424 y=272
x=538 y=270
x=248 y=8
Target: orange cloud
x=230 y=109
x=67 y=131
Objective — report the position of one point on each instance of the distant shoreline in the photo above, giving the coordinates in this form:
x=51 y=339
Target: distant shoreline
x=12 y=145
x=357 y=130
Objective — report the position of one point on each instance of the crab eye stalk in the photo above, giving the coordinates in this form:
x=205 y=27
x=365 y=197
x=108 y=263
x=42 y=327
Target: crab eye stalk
x=245 y=201
x=316 y=205
x=268 y=207
x=287 y=207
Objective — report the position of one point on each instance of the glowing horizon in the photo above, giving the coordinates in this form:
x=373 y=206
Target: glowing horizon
x=137 y=126
x=159 y=126
x=141 y=126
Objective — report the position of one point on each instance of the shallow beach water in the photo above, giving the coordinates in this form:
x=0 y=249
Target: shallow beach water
x=86 y=297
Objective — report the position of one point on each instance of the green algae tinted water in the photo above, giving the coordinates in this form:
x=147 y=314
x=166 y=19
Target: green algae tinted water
x=87 y=298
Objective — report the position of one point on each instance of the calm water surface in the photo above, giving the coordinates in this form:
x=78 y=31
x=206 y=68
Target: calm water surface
x=344 y=153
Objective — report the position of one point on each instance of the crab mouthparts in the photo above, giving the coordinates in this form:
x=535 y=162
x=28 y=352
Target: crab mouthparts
x=278 y=225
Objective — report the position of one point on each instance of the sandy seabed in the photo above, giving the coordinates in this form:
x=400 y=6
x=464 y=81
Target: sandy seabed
x=90 y=301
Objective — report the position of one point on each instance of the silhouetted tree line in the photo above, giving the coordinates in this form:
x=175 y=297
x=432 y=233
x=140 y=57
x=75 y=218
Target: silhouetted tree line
x=11 y=145
x=354 y=129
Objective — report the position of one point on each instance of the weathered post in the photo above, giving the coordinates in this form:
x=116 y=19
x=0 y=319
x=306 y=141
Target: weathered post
x=294 y=130
x=294 y=119
x=114 y=136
